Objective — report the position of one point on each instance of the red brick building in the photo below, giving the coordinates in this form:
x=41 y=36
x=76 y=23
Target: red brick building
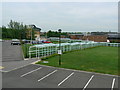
x=76 y=36
x=96 y=38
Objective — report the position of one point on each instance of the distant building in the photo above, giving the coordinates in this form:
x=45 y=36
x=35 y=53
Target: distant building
x=76 y=36
x=36 y=31
x=114 y=37
x=103 y=33
x=99 y=33
x=95 y=38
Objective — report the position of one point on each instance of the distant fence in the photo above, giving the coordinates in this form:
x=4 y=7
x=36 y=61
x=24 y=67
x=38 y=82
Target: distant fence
x=43 y=50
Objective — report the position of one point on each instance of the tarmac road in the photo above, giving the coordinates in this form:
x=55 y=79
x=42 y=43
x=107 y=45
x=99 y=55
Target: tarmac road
x=11 y=52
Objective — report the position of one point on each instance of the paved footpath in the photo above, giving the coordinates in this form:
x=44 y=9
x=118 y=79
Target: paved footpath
x=40 y=76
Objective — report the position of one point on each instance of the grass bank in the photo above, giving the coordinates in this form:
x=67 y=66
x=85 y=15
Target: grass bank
x=99 y=59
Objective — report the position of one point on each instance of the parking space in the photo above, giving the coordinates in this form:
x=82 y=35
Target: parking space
x=78 y=80
x=51 y=77
x=116 y=83
x=57 y=77
x=101 y=82
x=36 y=75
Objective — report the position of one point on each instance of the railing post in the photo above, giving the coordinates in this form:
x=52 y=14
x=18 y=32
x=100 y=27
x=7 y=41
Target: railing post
x=29 y=52
x=36 y=52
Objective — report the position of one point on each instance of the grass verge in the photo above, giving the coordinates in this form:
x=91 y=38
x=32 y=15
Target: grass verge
x=99 y=59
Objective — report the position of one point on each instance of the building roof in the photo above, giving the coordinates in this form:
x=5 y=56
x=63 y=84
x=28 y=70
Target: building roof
x=77 y=34
x=35 y=28
x=117 y=36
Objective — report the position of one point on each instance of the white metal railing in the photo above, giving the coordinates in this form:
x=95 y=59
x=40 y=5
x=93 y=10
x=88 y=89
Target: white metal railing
x=44 y=50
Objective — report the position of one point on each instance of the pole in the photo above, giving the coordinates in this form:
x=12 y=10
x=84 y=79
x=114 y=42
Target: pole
x=59 y=49
x=59 y=46
x=46 y=35
x=31 y=36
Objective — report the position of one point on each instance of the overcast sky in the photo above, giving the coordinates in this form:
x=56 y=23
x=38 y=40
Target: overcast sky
x=69 y=16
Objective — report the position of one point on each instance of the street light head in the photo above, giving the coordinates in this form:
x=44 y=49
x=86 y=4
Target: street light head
x=39 y=29
x=59 y=30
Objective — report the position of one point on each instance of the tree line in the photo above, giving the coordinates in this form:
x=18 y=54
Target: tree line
x=16 y=30
x=56 y=34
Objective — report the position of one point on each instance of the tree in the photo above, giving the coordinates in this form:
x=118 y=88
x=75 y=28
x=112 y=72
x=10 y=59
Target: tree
x=15 y=30
x=10 y=25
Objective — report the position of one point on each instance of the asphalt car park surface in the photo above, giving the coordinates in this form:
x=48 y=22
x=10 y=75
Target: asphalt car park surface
x=40 y=76
x=11 y=52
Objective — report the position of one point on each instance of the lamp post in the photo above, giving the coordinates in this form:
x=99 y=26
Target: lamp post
x=59 y=52
x=31 y=36
x=39 y=33
x=46 y=35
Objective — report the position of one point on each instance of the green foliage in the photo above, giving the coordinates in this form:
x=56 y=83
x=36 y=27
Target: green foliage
x=0 y=33
x=16 y=25
x=16 y=30
x=13 y=33
x=55 y=34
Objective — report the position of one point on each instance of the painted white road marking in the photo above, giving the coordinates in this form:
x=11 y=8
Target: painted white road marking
x=3 y=71
x=65 y=79
x=30 y=72
x=88 y=82
x=47 y=75
x=113 y=83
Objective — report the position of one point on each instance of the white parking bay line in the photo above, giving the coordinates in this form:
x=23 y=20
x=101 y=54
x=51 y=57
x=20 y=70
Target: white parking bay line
x=113 y=83
x=88 y=82
x=30 y=72
x=65 y=79
x=47 y=75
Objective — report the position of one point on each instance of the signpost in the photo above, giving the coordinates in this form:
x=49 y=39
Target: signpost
x=59 y=51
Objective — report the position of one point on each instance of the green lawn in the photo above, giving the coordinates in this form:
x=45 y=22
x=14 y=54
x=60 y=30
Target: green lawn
x=99 y=59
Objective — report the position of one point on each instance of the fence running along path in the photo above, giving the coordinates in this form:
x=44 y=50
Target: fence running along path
x=43 y=50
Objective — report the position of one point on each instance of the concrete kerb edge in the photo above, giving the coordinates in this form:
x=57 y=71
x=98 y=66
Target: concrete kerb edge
x=35 y=62
x=79 y=71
